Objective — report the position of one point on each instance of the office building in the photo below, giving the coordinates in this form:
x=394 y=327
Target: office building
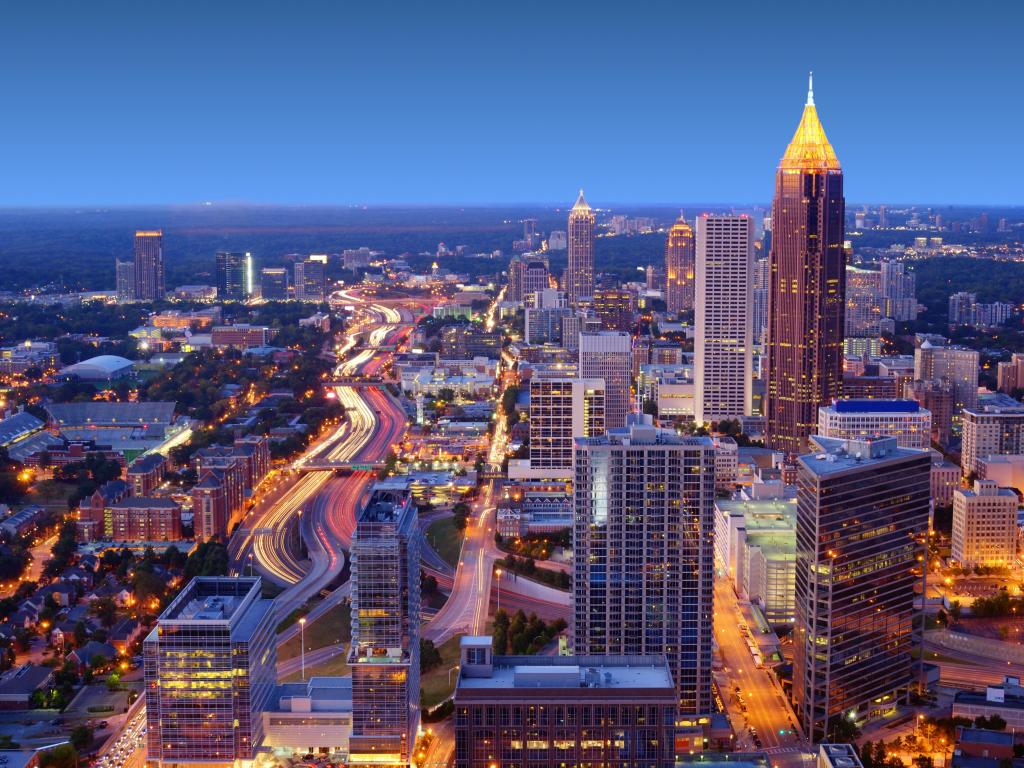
x=938 y=397
x=149 y=265
x=210 y=668
x=234 y=275
x=862 y=518
x=905 y=420
x=957 y=365
x=274 y=283
x=560 y=409
x=384 y=656
x=724 y=338
x=808 y=274
x=545 y=310
x=607 y=355
x=680 y=267
x=579 y=275
x=614 y=307
x=863 y=316
x=991 y=429
x=527 y=274
x=311 y=279
x=540 y=710
x=124 y=274
x=643 y=545
x=466 y=341
x=1010 y=374
x=985 y=525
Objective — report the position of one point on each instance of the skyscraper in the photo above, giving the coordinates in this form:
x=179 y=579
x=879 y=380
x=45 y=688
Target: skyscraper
x=643 y=546
x=957 y=365
x=561 y=409
x=234 y=275
x=149 y=265
x=759 y=303
x=899 y=291
x=384 y=656
x=274 y=283
x=805 y=299
x=985 y=525
x=679 y=267
x=210 y=668
x=608 y=355
x=311 y=279
x=579 y=275
x=724 y=336
x=863 y=316
x=125 y=276
x=862 y=519
x=615 y=308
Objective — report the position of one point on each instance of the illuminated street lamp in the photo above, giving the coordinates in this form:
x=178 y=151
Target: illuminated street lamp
x=302 y=646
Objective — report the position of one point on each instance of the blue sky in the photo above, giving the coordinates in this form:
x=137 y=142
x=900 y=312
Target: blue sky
x=487 y=102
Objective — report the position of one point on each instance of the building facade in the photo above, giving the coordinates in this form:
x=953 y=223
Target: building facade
x=863 y=508
x=905 y=420
x=956 y=365
x=210 y=668
x=643 y=563
x=805 y=299
x=234 y=275
x=991 y=430
x=560 y=409
x=985 y=525
x=149 y=265
x=608 y=355
x=724 y=338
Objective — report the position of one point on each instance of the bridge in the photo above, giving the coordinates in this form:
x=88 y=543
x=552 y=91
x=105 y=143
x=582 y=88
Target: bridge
x=325 y=465
x=349 y=381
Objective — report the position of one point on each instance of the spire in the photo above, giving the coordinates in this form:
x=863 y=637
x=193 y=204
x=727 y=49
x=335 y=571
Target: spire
x=809 y=149
x=581 y=204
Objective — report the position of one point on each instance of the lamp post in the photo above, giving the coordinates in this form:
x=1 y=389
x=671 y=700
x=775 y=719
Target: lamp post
x=302 y=646
x=498 y=608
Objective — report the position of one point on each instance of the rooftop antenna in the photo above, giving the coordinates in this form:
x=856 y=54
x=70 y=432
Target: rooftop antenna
x=810 y=88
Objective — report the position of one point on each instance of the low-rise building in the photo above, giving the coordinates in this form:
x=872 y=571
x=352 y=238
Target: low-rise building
x=146 y=473
x=985 y=525
x=905 y=420
x=1006 y=701
x=310 y=717
x=143 y=518
x=945 y=480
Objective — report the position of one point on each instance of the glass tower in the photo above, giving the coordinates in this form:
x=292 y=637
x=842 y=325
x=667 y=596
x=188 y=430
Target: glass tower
x=679 y=267
x=807 y=286
x=579 y=275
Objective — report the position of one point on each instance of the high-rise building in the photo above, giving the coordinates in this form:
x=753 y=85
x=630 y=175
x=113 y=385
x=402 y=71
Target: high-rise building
x=862 y=520
x=992 y=429
x=544 y=312
x=558 y=696
x=863 y=316
x=985 y=525
x=899 y=291
x=615 y=308
x=311 y=279
x=579 y=275
x=962 y=308
x=1010 y=374
x=643 y=544
x=808 y=275
x=608 y=355
x=125 y=276
x=957 y=365
x=274 y=283
x=905 y=420
x=561 y=409
x=210 y=668
x=234 y=275
x=936 y=396
x=557 y=240
x=384 y=656
x=149 y=265
x=759 y=302
x=527 y=273
x=724 y=338
x=679 y=267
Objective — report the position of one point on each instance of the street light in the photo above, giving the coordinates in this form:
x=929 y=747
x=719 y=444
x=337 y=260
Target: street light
x=498 y=608
x=302 y=645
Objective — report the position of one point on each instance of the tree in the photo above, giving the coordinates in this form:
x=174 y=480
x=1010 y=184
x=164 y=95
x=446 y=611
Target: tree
x=430 y=657
x=81 y=737
x=955 y=610
x=460 y=515
x=113 y=681
x=104 y=609
x=62 y=756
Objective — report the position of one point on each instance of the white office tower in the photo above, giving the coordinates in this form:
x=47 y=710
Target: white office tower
x=643 y=543
x=560 y=409
x=957 y=365
x=724 y=323
x=985 y=525
x=608 y=355
x=759 y=303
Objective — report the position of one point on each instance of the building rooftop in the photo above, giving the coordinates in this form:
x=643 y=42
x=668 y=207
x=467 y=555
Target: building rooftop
x=837 y=455
x=112 y=414
x=879 y=405
x=984 y=736
x=571 y=672
x=18 y=426
x=213 y=598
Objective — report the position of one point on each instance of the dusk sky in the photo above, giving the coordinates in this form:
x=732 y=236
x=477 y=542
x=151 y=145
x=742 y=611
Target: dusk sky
x=383 y=102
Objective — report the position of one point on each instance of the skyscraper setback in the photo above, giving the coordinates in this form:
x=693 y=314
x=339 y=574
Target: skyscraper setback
x=579 y=275
x=679 y=267
x=807 y=286
x=149 y=265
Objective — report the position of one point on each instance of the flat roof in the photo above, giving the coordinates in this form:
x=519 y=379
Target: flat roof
x=571 y=672
x=839 y=455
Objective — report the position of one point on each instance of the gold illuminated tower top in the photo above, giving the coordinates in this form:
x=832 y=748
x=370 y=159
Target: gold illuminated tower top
x=809 y=150
x=581 y=205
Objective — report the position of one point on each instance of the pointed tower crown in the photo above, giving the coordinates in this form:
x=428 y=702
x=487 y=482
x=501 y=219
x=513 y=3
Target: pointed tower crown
x=809 y=149
x=581 y=204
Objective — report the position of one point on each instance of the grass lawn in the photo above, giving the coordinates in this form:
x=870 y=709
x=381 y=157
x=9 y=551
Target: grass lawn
x=330 y=629
x=336 y=667
x=434 y=684
x=51 y=492
x=446 y=540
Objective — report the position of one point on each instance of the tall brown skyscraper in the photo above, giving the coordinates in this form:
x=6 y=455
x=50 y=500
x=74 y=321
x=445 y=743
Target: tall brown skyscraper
x=579 y=276
x=149 y=265
x=807 y=286
x=679 y=267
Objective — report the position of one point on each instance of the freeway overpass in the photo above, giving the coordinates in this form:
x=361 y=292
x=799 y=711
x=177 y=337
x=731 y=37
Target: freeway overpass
x=348 y=381
x=321 y=465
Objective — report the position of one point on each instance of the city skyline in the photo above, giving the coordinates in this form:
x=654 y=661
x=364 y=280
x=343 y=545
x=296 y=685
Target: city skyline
x=346 y=95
